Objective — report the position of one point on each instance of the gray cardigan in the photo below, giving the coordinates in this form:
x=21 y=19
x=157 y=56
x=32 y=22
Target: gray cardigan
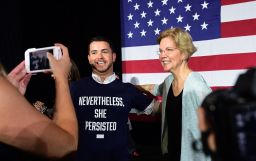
x=195 y=89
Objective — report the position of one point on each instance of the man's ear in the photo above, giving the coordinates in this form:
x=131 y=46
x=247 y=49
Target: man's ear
x=114 y=56
x=88 y=56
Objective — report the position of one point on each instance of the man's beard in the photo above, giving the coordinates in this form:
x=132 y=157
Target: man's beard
x=102 y=70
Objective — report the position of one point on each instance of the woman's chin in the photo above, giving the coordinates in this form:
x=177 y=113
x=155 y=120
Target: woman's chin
x=166 y=69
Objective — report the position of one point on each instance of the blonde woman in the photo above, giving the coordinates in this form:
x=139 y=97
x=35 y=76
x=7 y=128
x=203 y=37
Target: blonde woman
x=182 y=92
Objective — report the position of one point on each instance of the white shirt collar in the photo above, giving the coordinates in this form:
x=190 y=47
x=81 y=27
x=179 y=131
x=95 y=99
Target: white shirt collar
x=108 y=79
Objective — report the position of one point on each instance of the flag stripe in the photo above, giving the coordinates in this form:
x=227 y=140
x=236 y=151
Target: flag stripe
x=203 y=63
x=205 y=48
x=228 y=2
x=242 y=28
x=142 y=66
x=223 y=62
x=240 y=11
x=221 y=78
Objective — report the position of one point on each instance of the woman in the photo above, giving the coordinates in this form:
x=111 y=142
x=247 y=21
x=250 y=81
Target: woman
x=182 y=92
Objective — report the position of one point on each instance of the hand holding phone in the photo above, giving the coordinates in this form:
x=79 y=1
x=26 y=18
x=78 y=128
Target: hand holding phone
x=36 y=59
x=19 y=77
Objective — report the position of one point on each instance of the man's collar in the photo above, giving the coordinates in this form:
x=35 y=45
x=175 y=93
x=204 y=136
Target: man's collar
x=108 y=79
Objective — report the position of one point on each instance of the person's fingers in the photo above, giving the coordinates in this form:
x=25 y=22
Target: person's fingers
x=16 y=75
x=63 y=48
x=53 y=63
x=47 y=72
x=18 y=72
x=51 y=58
x=61 y=67
x=18 y=68
x=26 y=80
x=201 y=119
x=24 y=83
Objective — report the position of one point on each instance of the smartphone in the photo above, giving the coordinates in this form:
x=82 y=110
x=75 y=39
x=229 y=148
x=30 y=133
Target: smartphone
x=36 y=58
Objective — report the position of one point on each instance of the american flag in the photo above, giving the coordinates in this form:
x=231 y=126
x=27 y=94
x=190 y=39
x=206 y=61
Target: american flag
x=223 y=31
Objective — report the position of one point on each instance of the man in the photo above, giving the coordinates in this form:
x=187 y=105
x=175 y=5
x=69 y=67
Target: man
x=102 y=104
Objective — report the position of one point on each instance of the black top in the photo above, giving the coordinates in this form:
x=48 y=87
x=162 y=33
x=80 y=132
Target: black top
x=102 y=112
x=174 y=117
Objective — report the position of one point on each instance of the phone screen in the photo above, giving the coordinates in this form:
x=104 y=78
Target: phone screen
x=38 y=60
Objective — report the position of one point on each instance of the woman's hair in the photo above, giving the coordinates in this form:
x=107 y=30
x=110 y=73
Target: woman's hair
x=182 y=39
x=74 y=72
x=2 y=71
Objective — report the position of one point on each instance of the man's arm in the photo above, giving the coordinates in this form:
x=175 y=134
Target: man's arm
x=146 y=88
x=155 y=105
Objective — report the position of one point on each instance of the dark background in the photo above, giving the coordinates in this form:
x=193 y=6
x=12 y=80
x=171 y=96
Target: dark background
x=40 y=23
